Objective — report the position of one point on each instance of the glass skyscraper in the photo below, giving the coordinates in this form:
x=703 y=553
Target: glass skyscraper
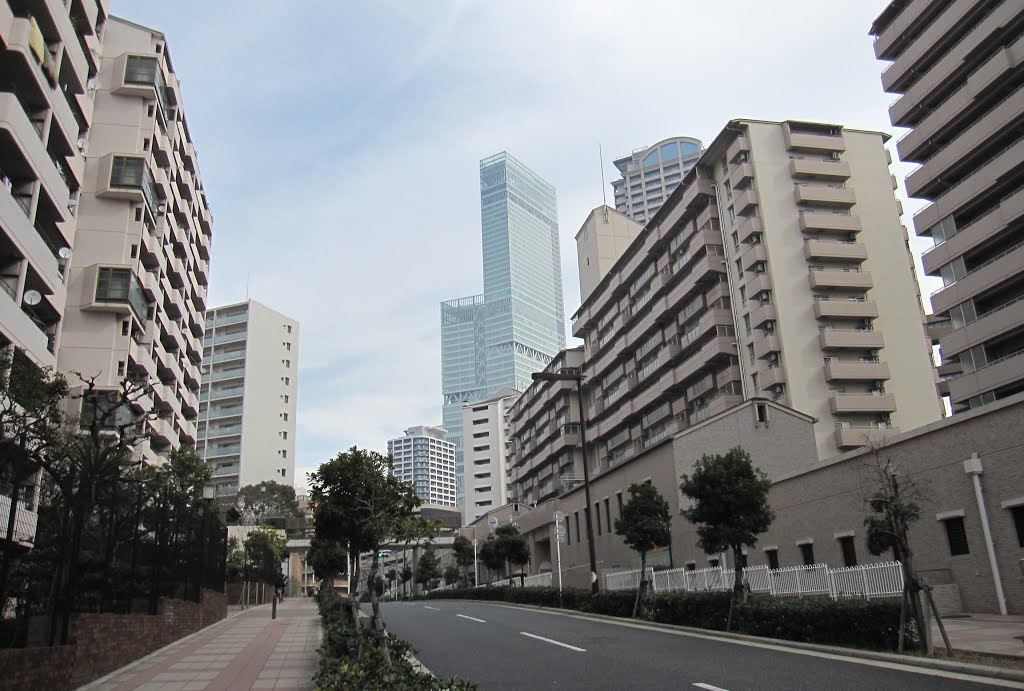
x=517 y=325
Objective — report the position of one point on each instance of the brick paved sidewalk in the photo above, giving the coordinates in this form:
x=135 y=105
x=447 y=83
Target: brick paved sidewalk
x=988 y=634
x=248 y=650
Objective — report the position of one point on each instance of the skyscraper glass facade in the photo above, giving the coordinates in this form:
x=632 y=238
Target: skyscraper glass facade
x=514 y=329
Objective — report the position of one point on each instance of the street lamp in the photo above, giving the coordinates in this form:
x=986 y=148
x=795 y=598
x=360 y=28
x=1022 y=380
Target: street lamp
x=578 y=378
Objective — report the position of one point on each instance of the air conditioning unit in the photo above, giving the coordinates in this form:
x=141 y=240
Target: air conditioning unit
x=835 y=155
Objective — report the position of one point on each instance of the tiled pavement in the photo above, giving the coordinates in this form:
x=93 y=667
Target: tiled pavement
x=248 y=650
x=984 y=634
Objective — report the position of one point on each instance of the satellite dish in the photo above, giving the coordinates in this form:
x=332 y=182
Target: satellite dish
x=64 y=252
x=32 y=297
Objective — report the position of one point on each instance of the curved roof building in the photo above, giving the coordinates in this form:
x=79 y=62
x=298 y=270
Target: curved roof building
x=650 y=174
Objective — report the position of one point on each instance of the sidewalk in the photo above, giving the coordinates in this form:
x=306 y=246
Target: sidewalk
x=984 y=634
x=248 y=650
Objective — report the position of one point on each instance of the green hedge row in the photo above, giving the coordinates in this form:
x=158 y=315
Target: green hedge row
x=351 y=659
x=870 y=624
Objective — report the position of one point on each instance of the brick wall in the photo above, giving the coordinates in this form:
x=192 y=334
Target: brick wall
x=102 y=643
x=947 y=599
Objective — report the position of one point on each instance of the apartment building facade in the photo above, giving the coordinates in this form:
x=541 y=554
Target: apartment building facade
x=545 y=452
x=248 y=400
x=762 y=276
x=139 y=271
x=600 y=241
x=485 y=446
x=959 y=70
x=425 y=458
x=650 y=174
x=48 y=59
x=499 y=338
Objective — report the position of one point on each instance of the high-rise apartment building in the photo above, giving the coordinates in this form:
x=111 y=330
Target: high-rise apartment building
x=779 y=268
x=517 y=325
x=545 y=455
x=426 y=459
x=959 y=70
x=651 y=173
x=139 y=271
x=48 y=53
x=600 y=241
x=48 y=60
x=248 y=400
x=485 y=446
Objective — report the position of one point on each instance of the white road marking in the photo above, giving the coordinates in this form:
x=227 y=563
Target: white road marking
x=709 y=687
x=548 y=640
x=433 y=608
x=473 y=618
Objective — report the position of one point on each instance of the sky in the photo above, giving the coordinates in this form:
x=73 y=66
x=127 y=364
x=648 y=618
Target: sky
x=339 y=144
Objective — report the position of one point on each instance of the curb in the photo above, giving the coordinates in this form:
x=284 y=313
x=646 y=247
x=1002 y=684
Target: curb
x=412 y=659
x=910 y=661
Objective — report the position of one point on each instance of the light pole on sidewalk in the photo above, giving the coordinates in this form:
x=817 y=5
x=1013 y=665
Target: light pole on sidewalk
x=578 y=378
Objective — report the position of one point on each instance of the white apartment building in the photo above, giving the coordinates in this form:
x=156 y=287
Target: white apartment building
x=651 y=173
x=485 y=446
x=47 y=59
x=424 y=458
x=248 y=399
x=139 y=270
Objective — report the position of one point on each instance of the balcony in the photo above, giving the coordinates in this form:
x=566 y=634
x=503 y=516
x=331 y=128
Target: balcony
x=752 y=254
x=862 y=403
x=845 y=309
x=128 y=177
x=742 y=175
x=996 y=374
x=826 y=222
x=988 y=326
x=856 y=370
x=763 y=314
x=738 y=146
x=853 y=437
x=766 y=345
x=811 y=169
x=824 y=195
x=19 y=137
x=837 y=278
x=745 y=201
x=823 y=142
x=750 y=225
x=1000 y=270
x=224 y=450
x=773 y=377
x=851 y=339
x=835 y=250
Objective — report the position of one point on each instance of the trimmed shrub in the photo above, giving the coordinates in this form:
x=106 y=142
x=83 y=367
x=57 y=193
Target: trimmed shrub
x=857 y=623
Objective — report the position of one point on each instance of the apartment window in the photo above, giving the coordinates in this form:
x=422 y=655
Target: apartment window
x=739 y=268
x=287 y=328
x=849 y=550
x=284 y=472
x=807 y=553
x=608 y=515
x=760 y=409
x=750 y=352
x=287 y=346
x=145 y=144
x=773 y=558
x=480 y=421
x=124 y=327
x=284 y=416
x=956 y=535
x=485 y=447
x=480 y=435
x=149 y=111
x=284 y=454
x=753 y=382
x=618 y=499
x=736 y=240
x=286 y=380
x=597 y=516
x=746 y=323
x=120 y=368
x=728 y=190
x=732 y=215
x=138 y=215
x=286 y=398
x=576 y=517
x=1017 y=512
x=284 y=435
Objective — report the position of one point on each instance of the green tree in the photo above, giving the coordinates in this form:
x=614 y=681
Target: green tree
x=462 y=549
x=492 y=558
x=265 y=503
x=358 y=502
x=405 y=575
x=327 y=558
x=265 y=549
x=729 y=508
x=512 y=548
x=451 y=574
x=428 y=567
x=646 y=523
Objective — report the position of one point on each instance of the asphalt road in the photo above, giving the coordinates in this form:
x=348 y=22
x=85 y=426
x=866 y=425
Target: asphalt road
x=508 y=648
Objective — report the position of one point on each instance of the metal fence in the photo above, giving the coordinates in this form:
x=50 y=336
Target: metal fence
x=867 y=581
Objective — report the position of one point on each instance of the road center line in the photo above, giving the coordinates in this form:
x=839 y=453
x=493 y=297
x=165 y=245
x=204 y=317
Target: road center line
x=548 y=640
x=709 y=687
x=473 y=618
x=433 y=608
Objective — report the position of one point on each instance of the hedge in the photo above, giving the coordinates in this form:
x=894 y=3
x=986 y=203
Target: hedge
x=870 y=624
x=350 y=658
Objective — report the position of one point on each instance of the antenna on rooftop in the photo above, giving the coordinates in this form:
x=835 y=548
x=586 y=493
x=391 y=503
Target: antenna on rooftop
x=604 y=192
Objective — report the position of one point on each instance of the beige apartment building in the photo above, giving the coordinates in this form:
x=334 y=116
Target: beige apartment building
x=778 y=268
x=600 y=241
x=139 y=271
x=545 y=451
x=48 y=59
x=959 y=70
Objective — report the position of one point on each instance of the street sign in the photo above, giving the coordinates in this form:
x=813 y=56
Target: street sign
x=559 y=516
x=492 y=521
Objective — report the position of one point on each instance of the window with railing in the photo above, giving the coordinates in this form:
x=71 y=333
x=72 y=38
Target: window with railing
x=123 y=286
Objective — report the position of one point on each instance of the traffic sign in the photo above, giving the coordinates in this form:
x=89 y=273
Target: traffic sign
x=492 y=521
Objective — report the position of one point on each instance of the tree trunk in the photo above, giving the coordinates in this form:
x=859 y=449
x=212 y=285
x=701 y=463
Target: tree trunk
x=377 y=623
x=353 y=592
x=640 y=587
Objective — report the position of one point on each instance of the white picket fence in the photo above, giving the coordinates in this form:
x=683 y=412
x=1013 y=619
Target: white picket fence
x=867 y=581
x=540 y=580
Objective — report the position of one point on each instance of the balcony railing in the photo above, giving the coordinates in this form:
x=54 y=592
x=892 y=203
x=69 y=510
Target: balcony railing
x=981 y=266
